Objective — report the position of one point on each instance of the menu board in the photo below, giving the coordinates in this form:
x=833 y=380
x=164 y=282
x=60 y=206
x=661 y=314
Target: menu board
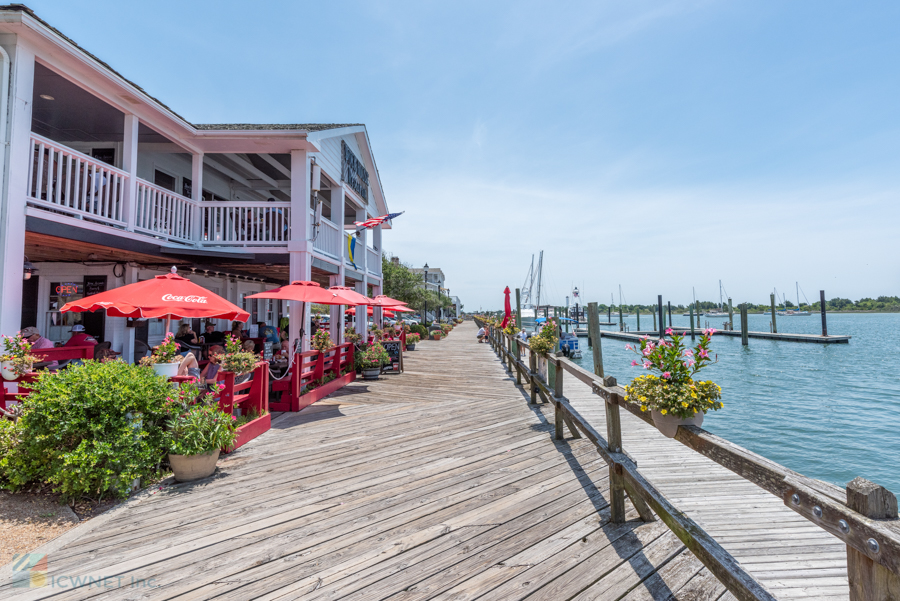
x=394 y=350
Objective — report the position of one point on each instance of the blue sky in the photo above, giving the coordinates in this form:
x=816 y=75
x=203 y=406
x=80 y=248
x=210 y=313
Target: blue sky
x=657 y=145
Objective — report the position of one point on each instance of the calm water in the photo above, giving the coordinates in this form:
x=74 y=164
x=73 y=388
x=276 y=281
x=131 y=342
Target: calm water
x=829 y=411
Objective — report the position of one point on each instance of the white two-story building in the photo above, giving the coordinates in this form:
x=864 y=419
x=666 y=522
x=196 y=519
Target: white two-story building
x=103 y=185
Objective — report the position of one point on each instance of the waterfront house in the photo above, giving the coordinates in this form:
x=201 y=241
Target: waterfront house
x=102 y=185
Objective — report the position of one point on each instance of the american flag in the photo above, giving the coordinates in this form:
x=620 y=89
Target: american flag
x=370 y=223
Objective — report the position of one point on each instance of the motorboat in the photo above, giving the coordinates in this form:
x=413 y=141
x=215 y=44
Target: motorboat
x=569 y=345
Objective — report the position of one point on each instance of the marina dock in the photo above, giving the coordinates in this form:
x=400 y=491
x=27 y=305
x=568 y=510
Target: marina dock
x=813 y=338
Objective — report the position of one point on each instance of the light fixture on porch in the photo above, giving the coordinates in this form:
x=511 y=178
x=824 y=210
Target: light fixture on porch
x=47 y=97
x=317 y=204
x=28 y=269
x=425 y=312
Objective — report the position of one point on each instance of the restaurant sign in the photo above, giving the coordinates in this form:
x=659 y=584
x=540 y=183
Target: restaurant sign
x=353 y=172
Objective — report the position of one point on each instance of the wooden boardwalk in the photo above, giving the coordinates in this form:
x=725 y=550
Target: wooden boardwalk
x=440 y=483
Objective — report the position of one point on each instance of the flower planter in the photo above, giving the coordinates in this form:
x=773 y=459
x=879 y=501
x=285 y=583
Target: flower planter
x=166 y=370
x=193 y=467
x=251 y=430
x=371 y=374
x=436 y=335
x=410 y=347
x=8 y=371
x=668 y=424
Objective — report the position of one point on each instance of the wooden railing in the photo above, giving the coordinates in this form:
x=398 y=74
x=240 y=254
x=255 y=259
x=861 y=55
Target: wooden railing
x=241 y=223
x=72 y=183
x=163 y=213
x=864 y=516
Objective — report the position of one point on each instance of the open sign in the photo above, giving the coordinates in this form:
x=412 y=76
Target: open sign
x=68 y=289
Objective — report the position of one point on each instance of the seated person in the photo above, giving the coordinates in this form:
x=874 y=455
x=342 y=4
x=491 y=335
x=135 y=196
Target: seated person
x=237 y=330
x=269 y=333
x=211 y=336
x=186 y=334
x=211 y=371
x=80 y=337
x=33 y=336
x=189 y=366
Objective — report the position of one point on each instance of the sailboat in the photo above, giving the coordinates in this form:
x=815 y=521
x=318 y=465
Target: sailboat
x=720 y=312
x=698 y=312
x=798 y=311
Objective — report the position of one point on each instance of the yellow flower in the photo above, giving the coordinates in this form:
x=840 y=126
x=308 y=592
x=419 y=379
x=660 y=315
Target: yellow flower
x=643 y=407
x=663 y=411
x=693 y=395
x=643 y=399
x=683 y=404
x=626 y=397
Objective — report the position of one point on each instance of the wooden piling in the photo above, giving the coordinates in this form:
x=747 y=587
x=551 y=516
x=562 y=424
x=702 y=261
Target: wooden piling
x=637 y=313
x=692 y=323
x=870 y=580
x=745 y=339
x=621 y=321
x=594 y=334
x=822 y=307
x=772 y=303
x=662 y=323
x=730 y=315
x=653 y=313
x=670 y=313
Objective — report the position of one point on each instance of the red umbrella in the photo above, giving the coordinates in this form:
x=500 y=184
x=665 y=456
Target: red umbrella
x=170 y=296
x=386 y=301
x=402 y=310
x=371 y=310
x=308 y=292
x=350 y=293
x=507 y=308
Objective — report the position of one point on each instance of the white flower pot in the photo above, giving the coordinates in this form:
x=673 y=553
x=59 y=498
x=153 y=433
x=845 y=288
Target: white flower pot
x=193 y=467
x=371 y=374
x=8 y=371
x=668 y=424
x=166 y=370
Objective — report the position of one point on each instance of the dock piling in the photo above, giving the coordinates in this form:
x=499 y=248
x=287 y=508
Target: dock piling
x=594 y=335
x=653 y=313
x=822 y=306
x=670 y=313
x=637 y=313
x=693 y=335
x=730 y=315
x=621 y=321
x=745 y=338
x=662 y=318
x=772 y=302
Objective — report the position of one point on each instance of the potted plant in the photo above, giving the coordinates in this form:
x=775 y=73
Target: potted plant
x=436 y=334
x=370 y=361
x=17 y=359
x=235 y=359
x=352 y=336
x=164 y=359
x=673 y=397
x=321 y=341
x=196 y=433
x=411 y=340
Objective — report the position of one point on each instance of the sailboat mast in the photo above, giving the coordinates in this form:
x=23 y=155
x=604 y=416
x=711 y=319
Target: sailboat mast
x=539 y=274
x=798 y=294
x=720 y=296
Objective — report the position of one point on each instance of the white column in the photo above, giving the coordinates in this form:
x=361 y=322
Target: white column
x=376 y=290
x=197 y=195
x=12 y=209
x=129 y=164
x=362 y=287
x=300 y=247
x=131 y=276
x=337 y=215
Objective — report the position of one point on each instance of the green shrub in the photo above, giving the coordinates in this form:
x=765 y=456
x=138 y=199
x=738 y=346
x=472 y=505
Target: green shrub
x=9 y=442
x=420 y=330
x=91 y=430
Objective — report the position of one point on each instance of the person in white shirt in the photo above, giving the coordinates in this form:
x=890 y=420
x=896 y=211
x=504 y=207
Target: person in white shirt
x=481 y=334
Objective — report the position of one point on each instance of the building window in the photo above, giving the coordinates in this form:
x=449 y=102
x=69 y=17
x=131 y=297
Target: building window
x=164 y=180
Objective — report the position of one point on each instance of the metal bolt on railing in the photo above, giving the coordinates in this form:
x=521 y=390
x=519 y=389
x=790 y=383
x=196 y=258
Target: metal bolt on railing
x=844 y=526
x=795 y=498
x=873 y=545
x=817 y=511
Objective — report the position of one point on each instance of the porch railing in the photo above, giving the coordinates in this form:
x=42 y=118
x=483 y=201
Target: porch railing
x=373 y=261
x=328 y=240
x=75 y=184
x=240 y=223
x=164 y=213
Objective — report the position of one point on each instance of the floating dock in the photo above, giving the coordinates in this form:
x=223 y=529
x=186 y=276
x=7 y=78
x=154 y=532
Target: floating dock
x=632 y=336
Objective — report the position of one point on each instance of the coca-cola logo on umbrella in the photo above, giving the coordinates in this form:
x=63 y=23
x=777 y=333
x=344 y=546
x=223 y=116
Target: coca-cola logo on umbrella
x=184 y=299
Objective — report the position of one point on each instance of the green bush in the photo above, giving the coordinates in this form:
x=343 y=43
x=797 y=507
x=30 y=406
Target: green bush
x=90 y=430
x=420 y=330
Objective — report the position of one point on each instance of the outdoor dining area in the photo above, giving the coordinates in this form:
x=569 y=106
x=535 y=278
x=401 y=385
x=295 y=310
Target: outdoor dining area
x=248 y=376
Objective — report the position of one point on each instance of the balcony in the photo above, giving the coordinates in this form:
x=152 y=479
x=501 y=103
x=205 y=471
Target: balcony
x=65 y=183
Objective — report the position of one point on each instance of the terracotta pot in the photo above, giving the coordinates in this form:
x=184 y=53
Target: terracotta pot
x=371 y=374
x=668 y=424
x=193 y=467
x=166 y=370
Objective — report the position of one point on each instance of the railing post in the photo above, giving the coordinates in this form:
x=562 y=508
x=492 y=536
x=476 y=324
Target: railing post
x=594 y=334
x=532 y=370
x=558 y=413
x=868 y=579
x=616 y=478
x=515 y=343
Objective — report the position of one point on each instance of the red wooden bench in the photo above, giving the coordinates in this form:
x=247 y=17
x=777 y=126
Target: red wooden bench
x=309 y=367
x=60 y=353
x=252 y=395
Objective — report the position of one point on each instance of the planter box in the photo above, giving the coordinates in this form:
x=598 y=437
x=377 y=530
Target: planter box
x=314 y=395
x=251 y=430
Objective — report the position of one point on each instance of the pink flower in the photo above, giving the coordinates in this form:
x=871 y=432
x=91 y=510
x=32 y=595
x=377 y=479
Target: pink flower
x=647 y=365
x=234 y=418
x=627 y=347
x=667 y=374
x=712 y=331
x=647 y=351
x=669 y=331
x=633 y=363
x=704 y=353
x=689 y=353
